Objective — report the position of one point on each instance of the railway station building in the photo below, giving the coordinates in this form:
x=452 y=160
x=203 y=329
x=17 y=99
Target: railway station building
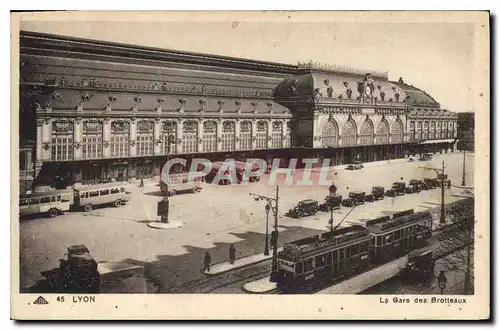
x=93 y=111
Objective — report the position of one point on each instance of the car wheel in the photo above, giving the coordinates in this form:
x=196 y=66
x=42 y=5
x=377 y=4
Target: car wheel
x=172 y=193
x=53 y=213
x=118 y=203
x=194 y=191
x=88 y=207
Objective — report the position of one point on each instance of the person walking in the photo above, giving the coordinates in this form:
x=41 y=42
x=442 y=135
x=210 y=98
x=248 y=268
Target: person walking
x=206 y=262
x=232 y=254
x=449 y=183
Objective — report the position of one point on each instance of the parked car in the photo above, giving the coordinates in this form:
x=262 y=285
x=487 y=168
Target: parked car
x=425 y=157
x=355 y=166
x=334 y=202
x=377 y=193
x=399 y=188
x=431 y=183
x=303 y=208
x=420 y=265
x=355 y=198
x=414 y=186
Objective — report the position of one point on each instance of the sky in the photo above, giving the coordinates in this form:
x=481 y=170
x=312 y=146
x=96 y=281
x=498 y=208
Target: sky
x=435 y=57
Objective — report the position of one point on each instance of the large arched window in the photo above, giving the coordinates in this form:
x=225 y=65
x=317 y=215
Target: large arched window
x=261 y=135
x=419 y=131
x=366 y=133
x=209 y=136
x=145 y=137
x=349 y=134
x=189 y=137
x=383 y=132
x=450 y=130
x=92 y=140
x=439 y=130
x=432 y=130
x=120 y=136
x=445 y=130
x=228 y=136
x=246 y=135
x=168 y=137
x=287 y=143
x=277 y=135
x=412 y=131
x=330 y=134
x=397 y=131
x=425 y=133
x=62 y=140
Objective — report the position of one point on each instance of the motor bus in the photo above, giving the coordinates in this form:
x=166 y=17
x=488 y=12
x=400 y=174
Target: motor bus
x=180 y=183
x=52 y=203
x=115 y=193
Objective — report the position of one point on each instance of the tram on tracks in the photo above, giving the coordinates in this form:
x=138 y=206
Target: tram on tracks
x=316 y=261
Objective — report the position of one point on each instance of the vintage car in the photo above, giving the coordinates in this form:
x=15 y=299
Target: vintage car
x=331 y=202
x=420 y=265
x=440 y=177
x=425 y=157
x=414 y=186
x=430 y=183
x=399 y=188
x=377 y=193
x=355 y=198
x=303 y=208
x=355 y=166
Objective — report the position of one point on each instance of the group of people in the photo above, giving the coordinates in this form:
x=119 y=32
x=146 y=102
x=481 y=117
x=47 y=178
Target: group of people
x=208 y=258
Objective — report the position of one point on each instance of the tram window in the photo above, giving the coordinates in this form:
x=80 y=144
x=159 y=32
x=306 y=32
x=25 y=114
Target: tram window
x=45 y=199
x=23 y=202
x=396 y=235
x=58 y=198
x=364 y=247
x=309 y=265
x=355 y=249
x=94 y=193
x=341 y=251
x=329 y=258
x=334 y=256
x=298 y=267
x=122 y=189
x=379 y=240
x=372 y=241
x=320 y=261
x=104 y=192
x=115 y=190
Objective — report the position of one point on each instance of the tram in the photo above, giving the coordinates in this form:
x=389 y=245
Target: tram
x=318 y=260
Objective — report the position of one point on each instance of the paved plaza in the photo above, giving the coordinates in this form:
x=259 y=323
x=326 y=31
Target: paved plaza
x=213 y=219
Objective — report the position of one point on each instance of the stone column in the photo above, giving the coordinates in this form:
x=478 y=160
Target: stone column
x=200 y=134
x=156 y=137
x=133 y=137
x=77 y=138
x=106 y=137
x=178 y=146
x=269 y=132
x=39 y=140
x=254 y=133
x=219 y=135
x=237 y=134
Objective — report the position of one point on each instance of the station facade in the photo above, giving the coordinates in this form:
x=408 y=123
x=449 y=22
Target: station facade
x=93 y=111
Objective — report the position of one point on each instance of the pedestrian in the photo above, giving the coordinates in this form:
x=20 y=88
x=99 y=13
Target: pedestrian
x=449 y=184
x=206 y=262
x=232 y=254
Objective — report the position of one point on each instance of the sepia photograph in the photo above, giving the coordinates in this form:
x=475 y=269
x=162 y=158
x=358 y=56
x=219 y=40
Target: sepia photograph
x=250 y=159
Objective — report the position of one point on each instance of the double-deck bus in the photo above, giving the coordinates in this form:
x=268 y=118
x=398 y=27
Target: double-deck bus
x=88 y=197
x=52 y=203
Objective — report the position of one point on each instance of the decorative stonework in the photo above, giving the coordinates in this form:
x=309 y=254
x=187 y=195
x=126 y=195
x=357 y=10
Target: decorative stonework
x=203 y=105
x=182 y=103
x=145 y=126
x=62 y=127
x=120 y=126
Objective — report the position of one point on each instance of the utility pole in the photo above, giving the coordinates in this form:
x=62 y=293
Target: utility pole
x=442 y=219
x=463 y=172
x=274 y=236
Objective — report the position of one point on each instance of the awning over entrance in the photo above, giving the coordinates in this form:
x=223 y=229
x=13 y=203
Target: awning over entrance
x=438 y=141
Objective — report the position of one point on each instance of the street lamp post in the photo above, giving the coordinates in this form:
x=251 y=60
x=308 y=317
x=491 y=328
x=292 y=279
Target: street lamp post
x=442 y=281
x=463 y=168
x=331 y=217
x=266 y=246
x=442 y=219
x=274 y=236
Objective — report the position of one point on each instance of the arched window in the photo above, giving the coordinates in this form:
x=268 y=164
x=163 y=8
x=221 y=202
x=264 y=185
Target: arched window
x=366 y=133
x=246 y=135
x=349 y=134
x=92 y=140
x=419 y=131
x=425 y=134
x=330 y=134
x=209 y=136
x=228 y=136
x=261 y=135
x=450 y=130
x=168 y=137
x=383 y=132
x=287 y=143
x=120 y=136
x=189 y=137
x=412 y=131
x=62 y=140
x=432 y=130
x=445 y=130
x=277 y=135
x=145 y=137
x=397 y=131
x=438 y=130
